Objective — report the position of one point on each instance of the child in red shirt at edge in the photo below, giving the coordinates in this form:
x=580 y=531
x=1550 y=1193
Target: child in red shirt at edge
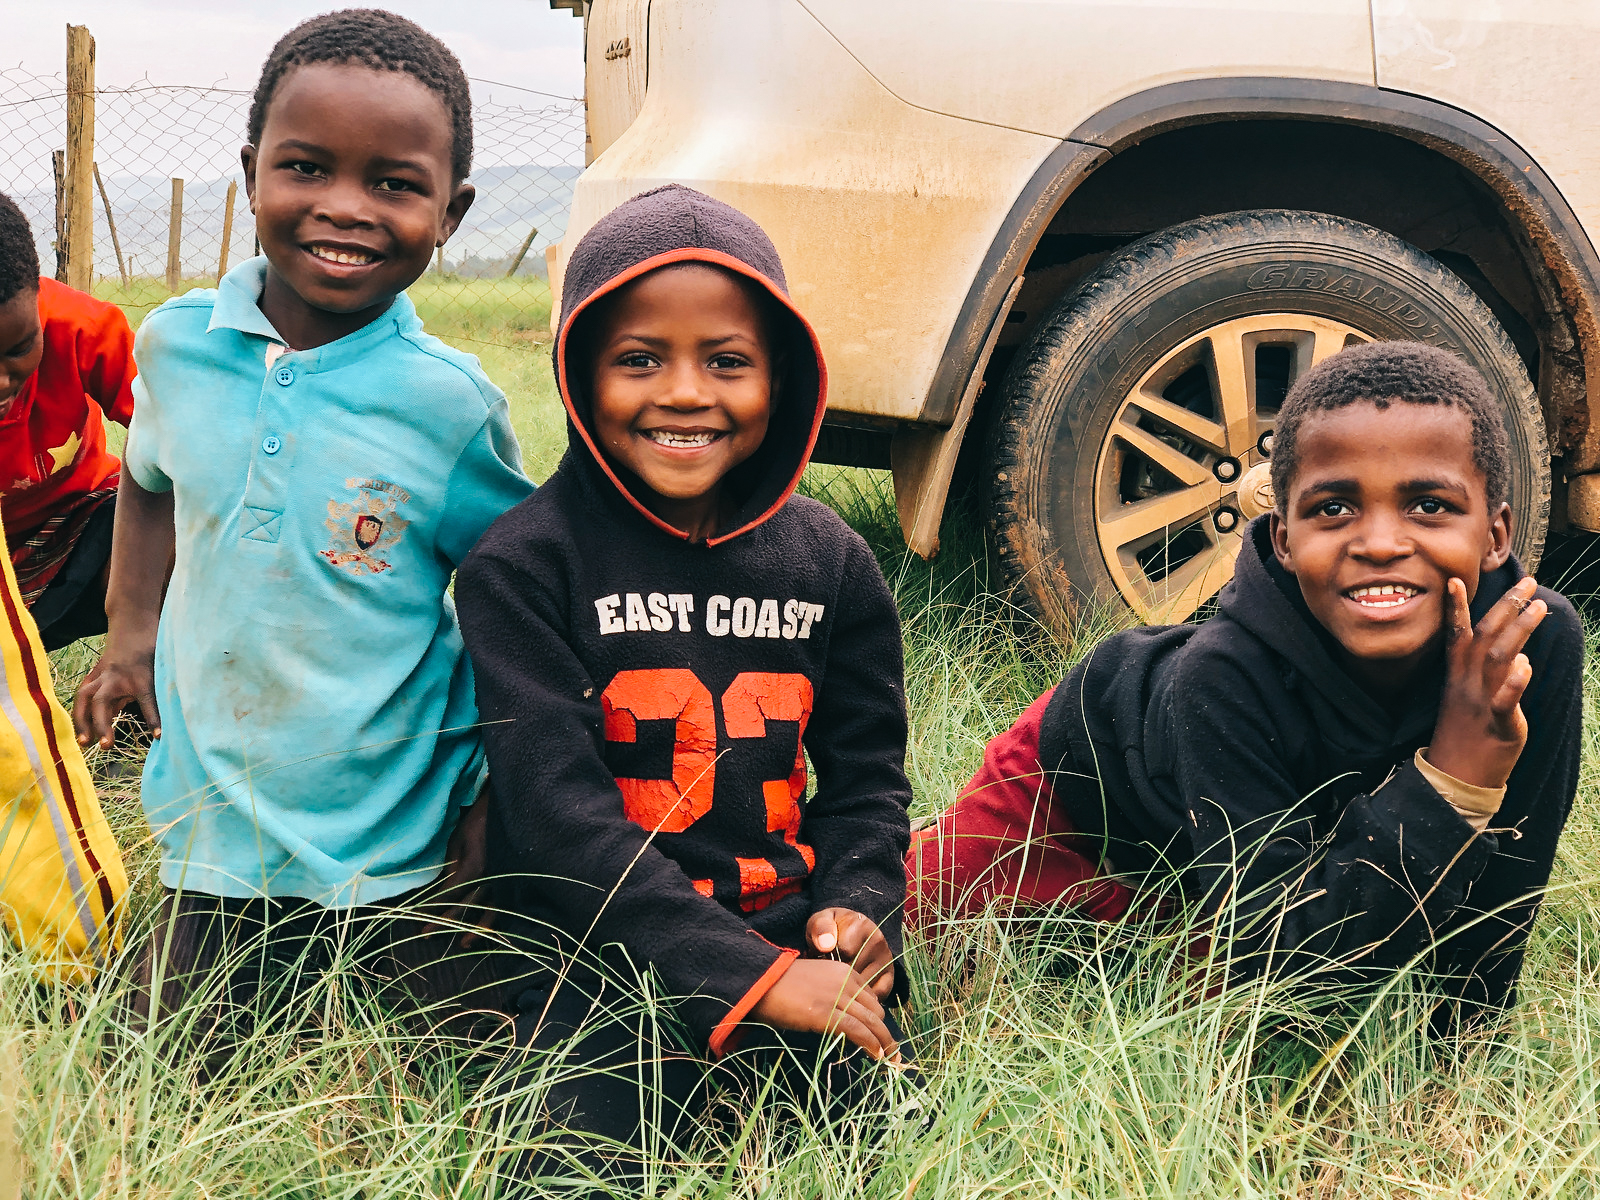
x=59 y=350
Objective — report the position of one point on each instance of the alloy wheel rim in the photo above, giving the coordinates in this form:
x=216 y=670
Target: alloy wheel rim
x=1165 y=491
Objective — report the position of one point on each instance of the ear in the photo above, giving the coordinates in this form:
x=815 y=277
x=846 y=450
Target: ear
x=460 y=200
x=1499 y=538
x=1278 y=530
x=247 y=157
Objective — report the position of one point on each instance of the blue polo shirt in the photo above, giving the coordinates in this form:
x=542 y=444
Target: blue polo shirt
x=316 y=704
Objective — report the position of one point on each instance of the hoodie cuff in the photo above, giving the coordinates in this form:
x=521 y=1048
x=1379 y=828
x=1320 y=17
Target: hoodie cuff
x=1475 y=804
x=726 y=1027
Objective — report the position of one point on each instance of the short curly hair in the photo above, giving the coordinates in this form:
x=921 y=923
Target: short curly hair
x=19 y=258
x=383 y=41
x=1385 y=373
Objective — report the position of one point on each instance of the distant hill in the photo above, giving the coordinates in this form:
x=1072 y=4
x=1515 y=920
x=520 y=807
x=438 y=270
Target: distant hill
x=510 y=200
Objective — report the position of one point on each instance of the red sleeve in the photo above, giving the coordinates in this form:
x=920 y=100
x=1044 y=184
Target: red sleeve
x=104 y=346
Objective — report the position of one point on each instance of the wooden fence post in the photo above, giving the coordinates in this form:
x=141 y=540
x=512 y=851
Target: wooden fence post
x=227 y=228
x=58 y=161
x=79 y=229
x=527 y=242
x=111 y=224
x=174 y=236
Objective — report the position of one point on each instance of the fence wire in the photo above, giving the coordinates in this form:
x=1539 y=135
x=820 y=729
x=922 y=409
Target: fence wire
x=490 y=286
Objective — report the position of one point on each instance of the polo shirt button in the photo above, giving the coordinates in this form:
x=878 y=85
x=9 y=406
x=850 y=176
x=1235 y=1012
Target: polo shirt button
x=284 y=376
x=271 y=444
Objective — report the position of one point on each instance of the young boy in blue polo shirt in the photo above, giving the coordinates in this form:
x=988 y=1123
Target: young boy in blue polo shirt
x=313 y=465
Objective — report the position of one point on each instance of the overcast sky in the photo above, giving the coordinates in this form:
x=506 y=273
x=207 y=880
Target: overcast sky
x=519 y=42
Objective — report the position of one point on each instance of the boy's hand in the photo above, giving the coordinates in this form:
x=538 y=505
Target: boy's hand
x=142 y=549
x=845 y=934
x=115 y=682
x=1481 y=730
x=465 y=860
x=819 y=996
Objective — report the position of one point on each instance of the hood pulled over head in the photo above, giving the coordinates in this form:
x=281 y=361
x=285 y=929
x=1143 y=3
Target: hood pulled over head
x=667 y=226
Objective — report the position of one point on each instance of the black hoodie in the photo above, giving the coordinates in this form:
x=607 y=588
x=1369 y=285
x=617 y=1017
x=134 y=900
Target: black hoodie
x=646 y=698
x=1241 y=752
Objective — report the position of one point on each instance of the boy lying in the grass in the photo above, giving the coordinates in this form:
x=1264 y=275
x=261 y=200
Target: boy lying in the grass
x=66 y=367
x=1371 y=746
x=655 y=634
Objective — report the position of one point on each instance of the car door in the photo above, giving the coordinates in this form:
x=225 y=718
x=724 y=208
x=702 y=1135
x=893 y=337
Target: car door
x=1044 y=66
x=1530 y=68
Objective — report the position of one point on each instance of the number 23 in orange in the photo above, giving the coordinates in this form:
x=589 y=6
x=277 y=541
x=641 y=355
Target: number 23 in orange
x=675 y=694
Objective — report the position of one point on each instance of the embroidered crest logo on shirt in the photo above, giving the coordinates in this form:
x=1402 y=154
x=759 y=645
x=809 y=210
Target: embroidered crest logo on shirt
x=362 y=529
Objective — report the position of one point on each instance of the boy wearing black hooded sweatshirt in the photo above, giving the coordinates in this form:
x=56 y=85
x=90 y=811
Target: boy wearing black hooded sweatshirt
x=658 y=637
x=1370 y=751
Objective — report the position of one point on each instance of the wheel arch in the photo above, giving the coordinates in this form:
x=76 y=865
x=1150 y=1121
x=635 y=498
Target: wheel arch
x=1554 y=249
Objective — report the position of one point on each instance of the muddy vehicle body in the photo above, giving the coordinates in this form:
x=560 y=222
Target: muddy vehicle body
x=1084 y=248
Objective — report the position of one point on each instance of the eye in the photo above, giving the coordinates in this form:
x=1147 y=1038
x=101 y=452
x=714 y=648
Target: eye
x=637 y=359
x=302 y=167
x=1332 y=508
x=396 y=185
x=729 y=362
x=21 y=349
x=1432 y=506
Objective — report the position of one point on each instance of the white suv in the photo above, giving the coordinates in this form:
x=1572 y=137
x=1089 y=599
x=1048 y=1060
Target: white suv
x=1096 y=241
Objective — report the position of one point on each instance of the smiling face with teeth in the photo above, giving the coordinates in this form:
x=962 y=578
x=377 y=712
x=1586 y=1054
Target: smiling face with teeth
x=682 y=388
x=1384 y=508
x=351 y=188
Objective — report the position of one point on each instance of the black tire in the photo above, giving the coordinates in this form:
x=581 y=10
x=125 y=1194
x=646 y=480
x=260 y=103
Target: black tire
x=1066 y=487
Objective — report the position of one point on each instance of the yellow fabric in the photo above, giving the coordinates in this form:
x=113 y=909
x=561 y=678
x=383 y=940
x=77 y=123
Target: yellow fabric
x=61 y=875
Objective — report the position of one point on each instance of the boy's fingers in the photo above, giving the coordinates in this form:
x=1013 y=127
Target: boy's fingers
x=855 y=935
x=822 y=931
x=1506 y=610
x=1503 y=648
x=82 y=718
x=102 y=712
x=859 y=989
x=1509 y=695
x=858 y=1034
x=879 y=1027
x=152 y=714
x=867 y=1030
x=1457 y=619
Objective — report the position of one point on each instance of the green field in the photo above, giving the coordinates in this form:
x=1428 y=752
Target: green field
x=1063 y=1059
x=506 y=323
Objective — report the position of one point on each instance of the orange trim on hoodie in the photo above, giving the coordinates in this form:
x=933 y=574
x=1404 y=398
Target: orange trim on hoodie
x=715 y=258
x=725 y=1027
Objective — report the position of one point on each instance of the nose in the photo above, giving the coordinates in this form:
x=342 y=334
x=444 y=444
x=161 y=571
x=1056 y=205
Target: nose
x=345 y=202
x=1381 y=538
x=683 y=389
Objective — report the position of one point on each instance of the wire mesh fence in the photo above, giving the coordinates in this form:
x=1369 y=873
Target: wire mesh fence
x=170 y=211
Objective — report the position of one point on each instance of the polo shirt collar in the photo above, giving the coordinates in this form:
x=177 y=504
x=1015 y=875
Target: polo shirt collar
x=237 y=306
x=238 y=301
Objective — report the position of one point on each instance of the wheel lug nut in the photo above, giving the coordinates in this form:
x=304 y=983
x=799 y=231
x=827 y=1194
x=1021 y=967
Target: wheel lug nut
x=1227 y=470
x=1264 y=443
x=1225 y=519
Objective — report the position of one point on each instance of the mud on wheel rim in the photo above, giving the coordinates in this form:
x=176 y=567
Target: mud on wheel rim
x=1165 y=488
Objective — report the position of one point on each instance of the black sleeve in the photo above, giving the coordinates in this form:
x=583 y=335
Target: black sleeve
x=1484 y=952
x=559 y=812
x=856 y=821
x=1355 y=903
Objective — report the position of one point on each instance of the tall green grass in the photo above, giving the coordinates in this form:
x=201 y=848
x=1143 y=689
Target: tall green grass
x=1062 y=1058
